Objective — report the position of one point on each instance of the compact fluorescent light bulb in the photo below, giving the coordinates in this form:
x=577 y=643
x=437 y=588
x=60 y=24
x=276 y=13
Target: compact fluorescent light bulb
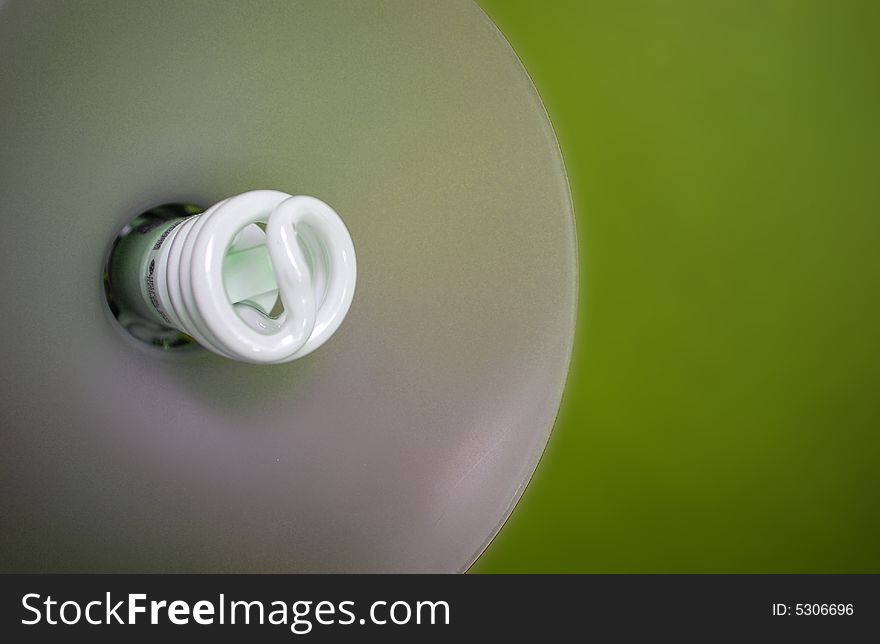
x=261 y=277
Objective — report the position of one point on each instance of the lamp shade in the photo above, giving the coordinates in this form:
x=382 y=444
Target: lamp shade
x=404 y=442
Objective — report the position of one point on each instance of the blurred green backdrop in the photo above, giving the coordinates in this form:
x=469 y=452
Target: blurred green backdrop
x=723 y=406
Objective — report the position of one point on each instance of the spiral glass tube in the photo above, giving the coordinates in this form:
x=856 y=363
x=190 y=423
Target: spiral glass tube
x=262 y=277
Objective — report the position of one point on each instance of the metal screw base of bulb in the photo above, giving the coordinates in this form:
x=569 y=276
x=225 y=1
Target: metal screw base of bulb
x=128 y=313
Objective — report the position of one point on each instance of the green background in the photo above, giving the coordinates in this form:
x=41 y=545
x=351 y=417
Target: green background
x=723 y=406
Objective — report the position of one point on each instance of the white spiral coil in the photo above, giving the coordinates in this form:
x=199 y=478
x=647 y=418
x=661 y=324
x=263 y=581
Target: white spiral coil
x=312 y=268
